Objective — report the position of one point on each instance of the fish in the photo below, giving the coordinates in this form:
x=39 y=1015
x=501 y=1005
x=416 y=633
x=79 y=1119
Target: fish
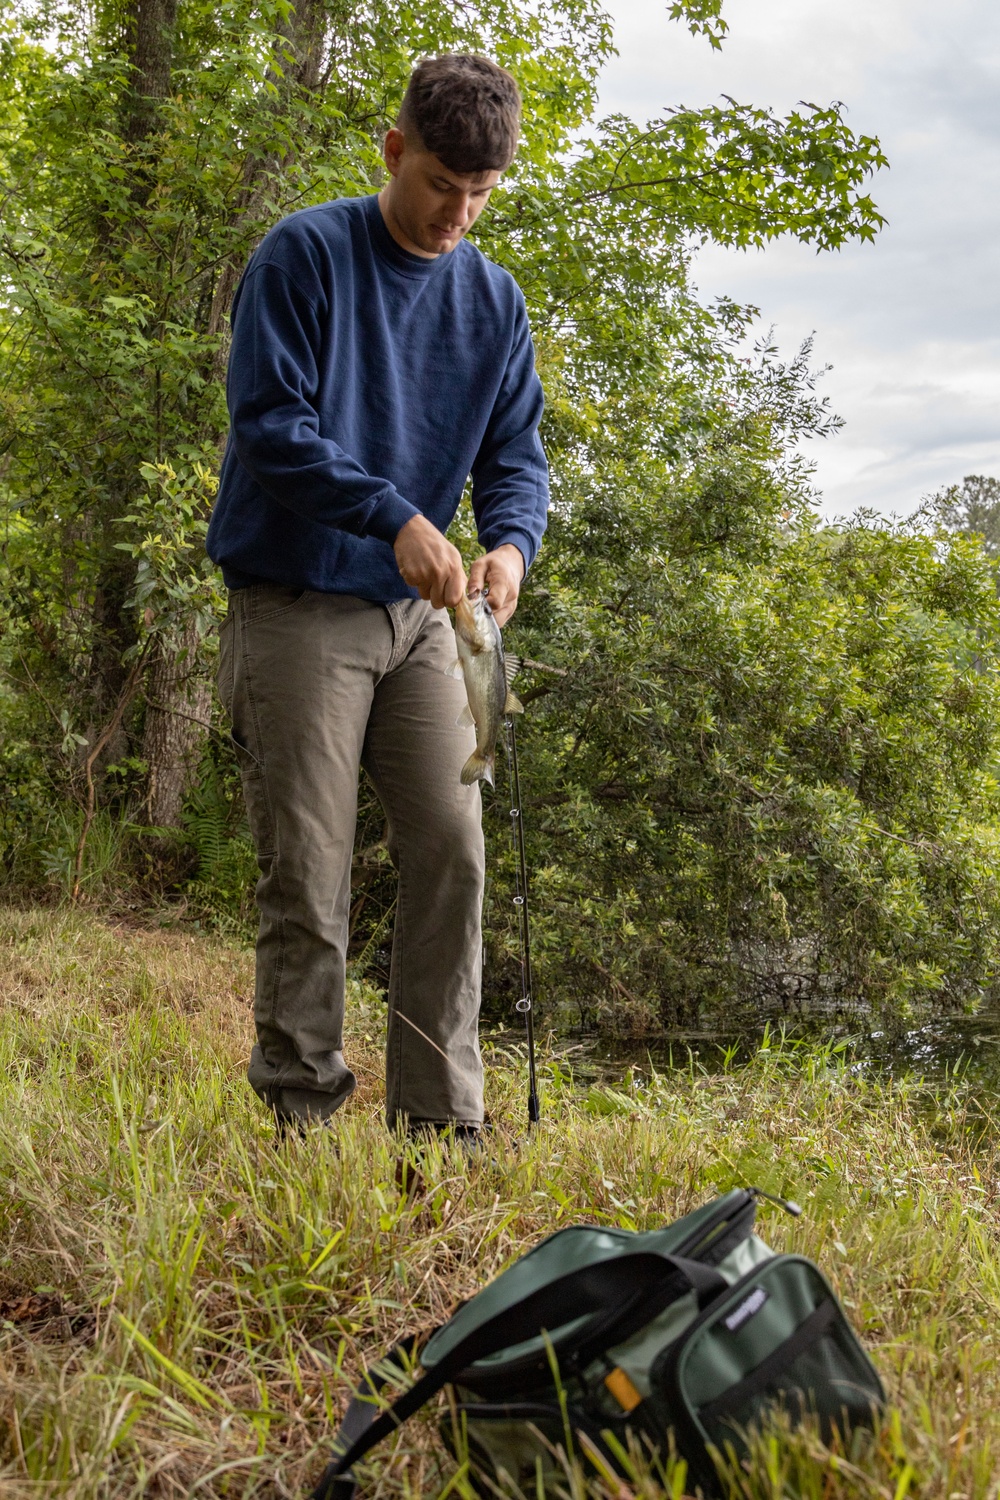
x=481 y=662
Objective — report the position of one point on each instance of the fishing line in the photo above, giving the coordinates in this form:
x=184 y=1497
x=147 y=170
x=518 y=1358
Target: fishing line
x=524 y=1005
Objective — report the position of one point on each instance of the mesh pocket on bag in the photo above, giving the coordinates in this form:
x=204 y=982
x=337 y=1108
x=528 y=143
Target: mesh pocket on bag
x=779 y=1341
x=817 y=1371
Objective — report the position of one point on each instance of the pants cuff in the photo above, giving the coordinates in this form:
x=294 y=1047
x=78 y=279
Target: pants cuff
x=306 y=1104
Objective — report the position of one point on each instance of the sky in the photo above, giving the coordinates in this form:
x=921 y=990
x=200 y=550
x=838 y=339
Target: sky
x=911 y=323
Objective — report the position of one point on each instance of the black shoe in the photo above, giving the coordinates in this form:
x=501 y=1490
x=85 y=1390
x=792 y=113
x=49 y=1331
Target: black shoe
x=470 y=1139
x=294 y=1127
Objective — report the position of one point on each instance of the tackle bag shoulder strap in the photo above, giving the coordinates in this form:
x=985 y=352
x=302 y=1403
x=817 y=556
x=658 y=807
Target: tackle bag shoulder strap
x=628 y=1289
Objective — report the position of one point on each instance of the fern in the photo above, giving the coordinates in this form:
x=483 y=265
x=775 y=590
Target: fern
x=221 y=887
x=359 y=964
x=208 y=820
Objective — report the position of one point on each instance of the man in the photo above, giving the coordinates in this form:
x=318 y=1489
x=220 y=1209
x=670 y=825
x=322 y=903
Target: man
x=378 y=360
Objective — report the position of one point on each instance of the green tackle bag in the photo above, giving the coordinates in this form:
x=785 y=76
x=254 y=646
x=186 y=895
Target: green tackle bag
x=697 y=1331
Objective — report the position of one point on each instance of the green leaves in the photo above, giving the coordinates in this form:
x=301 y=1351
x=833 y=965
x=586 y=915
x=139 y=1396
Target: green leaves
x=738 y=175
x=703 y=18
x=764 y=782
x=175 y=583
x=768 y=775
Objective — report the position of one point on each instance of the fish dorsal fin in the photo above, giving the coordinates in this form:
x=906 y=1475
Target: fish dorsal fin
x=465 y=719
x=513 y=704
x=511 y=667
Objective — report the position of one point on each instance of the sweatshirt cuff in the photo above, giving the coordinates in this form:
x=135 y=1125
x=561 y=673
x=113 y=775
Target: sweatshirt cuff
x=389 y=516
x=521 y=541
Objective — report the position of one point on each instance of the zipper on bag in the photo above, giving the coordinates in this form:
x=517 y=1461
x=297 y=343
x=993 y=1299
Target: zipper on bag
x=712 y=1241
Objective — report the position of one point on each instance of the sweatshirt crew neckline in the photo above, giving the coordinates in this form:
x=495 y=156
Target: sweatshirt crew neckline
x=400 y=259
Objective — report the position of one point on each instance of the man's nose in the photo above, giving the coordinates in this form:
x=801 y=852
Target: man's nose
x=460 y=211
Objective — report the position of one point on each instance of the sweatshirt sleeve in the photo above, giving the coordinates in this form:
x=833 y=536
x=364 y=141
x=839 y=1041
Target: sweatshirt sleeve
x=273 y=378
x=510 y=477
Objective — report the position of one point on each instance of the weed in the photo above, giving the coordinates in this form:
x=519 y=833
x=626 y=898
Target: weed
x=185 y=1309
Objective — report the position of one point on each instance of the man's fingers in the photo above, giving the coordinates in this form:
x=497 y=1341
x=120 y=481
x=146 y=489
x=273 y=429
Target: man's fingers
x=428 y=562
x=503 y=601
x=498 y=595
x=495 y=572
x=455 y=583
x=447 y=587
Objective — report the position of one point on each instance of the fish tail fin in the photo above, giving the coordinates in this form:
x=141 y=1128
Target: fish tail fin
x=478 y=767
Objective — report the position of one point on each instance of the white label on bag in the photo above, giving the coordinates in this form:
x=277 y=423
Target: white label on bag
x=746 y=1309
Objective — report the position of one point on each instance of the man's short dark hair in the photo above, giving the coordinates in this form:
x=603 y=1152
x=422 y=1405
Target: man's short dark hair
x=466 y=111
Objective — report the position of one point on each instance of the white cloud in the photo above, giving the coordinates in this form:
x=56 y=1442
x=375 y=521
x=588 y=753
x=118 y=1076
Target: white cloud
x=911 y=323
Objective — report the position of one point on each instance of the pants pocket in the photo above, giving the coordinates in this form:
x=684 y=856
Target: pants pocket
x=266 y=600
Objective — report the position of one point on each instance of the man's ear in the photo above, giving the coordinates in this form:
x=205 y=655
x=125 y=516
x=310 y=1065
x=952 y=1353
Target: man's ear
x=392 y=149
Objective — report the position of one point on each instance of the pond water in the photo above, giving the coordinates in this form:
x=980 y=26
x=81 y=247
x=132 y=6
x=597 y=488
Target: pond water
x=936 y=1050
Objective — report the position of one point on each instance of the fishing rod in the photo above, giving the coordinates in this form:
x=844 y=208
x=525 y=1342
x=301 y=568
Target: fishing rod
x=524 y=1005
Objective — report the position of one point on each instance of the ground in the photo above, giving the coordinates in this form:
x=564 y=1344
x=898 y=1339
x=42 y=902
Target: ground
x=183 y=1308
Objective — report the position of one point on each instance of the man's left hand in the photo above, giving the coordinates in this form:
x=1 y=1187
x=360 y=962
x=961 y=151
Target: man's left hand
x=502 y=572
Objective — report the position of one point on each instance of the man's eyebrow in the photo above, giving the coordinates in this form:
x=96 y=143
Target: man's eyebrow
x=484 y=187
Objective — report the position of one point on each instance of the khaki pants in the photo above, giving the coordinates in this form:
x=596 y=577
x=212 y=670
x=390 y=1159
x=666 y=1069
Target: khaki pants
x=316 y=686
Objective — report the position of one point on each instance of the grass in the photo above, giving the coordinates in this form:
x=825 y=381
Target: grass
x=183 y=1310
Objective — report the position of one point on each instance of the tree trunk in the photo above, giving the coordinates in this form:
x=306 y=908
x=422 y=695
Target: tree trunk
x=178 y=715
x=114 y=633
x=150 y=29
x=304 y=34
x=178 y=702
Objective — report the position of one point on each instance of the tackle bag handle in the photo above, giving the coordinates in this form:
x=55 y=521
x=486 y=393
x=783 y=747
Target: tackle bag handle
x=629 y=1290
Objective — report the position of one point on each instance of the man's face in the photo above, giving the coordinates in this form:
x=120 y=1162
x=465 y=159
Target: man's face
x=427 y=207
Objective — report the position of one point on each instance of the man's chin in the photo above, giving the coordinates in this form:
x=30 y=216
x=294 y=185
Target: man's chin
x=439 y=244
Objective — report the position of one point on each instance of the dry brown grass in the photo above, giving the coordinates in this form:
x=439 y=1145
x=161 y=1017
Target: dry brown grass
x=183 y=1309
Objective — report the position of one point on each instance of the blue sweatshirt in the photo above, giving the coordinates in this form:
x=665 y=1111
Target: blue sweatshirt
x=365 y=385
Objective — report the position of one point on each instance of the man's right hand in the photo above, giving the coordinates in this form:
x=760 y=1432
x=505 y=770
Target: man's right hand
x=429 y=563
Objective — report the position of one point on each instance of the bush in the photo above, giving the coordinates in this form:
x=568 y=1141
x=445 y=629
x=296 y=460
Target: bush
x=762 y=785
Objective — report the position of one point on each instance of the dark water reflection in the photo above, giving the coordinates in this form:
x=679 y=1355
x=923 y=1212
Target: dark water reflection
x=939 y=1051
